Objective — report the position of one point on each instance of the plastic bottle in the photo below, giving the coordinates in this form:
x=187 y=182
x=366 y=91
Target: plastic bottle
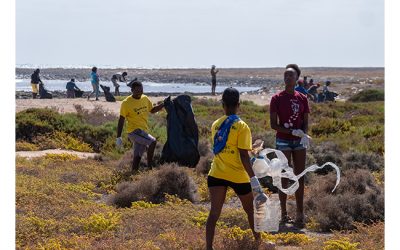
x=267 y=216
x=261 y=167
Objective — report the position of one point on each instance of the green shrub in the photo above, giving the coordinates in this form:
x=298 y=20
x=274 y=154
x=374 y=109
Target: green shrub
x=41 y=126
x=368 y=95
x=331 y=126
x=25 y=146
x=98 y=222
x=340 y=244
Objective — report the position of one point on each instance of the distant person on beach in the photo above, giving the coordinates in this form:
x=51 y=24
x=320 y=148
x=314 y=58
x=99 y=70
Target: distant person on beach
x=35 y=80
x=94 y=79
x=313 y=90
x=328 y=95
x=231 y=165
x=119 y=77
x=135 y=110
x=71 y=87
x=305 y=82
x=289 y=111
x=213 y=79
x=325 y=89
x=310 y=83
x=300 y=88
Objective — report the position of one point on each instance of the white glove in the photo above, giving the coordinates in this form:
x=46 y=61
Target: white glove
x=259 y=196
x=298 y=132
x=118 y=142
x=305 y=140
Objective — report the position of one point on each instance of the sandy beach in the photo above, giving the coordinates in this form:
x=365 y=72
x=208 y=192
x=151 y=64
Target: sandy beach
x=64 y=105
x=345 y=81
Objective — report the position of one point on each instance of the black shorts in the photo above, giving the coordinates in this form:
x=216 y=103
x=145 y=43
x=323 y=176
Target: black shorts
x=214 y=81
x=239 y=188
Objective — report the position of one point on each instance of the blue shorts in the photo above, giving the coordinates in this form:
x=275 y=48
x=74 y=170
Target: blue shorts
x=285 y=145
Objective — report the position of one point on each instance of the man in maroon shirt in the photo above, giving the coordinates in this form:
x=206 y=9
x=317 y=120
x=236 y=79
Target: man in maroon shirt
x=289 y=117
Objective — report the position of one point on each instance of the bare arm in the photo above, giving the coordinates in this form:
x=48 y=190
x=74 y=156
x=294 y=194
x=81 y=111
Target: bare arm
x=275 y=126
x=157 y=108
x=245 y=158
x=121 y=122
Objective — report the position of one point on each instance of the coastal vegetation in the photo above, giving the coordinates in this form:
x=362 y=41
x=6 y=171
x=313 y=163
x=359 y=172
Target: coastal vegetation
x=63 y=202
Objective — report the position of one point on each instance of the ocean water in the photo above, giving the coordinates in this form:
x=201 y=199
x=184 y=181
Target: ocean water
x=148 y=87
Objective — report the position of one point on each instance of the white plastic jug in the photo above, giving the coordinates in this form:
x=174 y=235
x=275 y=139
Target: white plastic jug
x=261 y=167
x=267 y=216
x=278 y=168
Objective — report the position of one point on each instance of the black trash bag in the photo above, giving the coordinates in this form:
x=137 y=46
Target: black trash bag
x=78 y=93
x=327 y=96
x=109 y=97
x=44 y=93
x=182 y=133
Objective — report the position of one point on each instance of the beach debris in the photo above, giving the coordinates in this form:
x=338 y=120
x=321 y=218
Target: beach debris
x=279 y=168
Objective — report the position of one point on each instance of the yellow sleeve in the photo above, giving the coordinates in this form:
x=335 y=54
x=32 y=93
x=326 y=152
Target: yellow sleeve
x=149 y=104
x=213 y=132
x=244 y=137
x=123 y=111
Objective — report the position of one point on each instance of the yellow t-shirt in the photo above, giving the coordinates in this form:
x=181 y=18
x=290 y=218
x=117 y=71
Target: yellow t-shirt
x=227 y=164
x=136 y=112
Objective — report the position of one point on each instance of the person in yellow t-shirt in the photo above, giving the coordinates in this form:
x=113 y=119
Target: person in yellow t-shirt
x=135 y=110
x=231 y=165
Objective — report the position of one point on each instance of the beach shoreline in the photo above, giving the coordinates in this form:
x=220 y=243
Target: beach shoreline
x=345 y=81
x=226 y=76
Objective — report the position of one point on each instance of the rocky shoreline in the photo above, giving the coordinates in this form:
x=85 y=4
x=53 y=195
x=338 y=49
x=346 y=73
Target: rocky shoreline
x=345 y=81
x=226 y=76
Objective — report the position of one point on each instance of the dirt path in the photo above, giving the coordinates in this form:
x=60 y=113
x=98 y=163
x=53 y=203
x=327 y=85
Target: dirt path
x=33 y=154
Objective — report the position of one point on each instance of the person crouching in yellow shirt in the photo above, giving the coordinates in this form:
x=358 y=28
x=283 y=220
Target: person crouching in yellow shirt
x=231 y=165
x=135 y=110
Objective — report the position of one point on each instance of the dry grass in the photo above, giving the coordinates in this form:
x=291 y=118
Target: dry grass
x=153 y=185
x=358 y=198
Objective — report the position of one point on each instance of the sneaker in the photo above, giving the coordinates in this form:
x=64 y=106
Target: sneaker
x=299 y=222
x=286 y=219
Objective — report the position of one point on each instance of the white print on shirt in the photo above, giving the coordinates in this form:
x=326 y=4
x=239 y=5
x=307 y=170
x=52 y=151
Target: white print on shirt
x=295 y=109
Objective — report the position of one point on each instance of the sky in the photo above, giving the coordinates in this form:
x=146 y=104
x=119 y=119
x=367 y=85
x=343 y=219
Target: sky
x=196 y=34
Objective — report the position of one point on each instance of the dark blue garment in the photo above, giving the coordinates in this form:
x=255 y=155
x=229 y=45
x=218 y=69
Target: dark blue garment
x=221 y=136
x=71 y=86
x=301 y=90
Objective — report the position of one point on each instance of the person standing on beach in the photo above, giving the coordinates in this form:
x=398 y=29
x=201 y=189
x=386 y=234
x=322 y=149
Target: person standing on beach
x=289 y=112
x=118 y=78
x=94 y=79
x=135 y=110
x=71 y=87
x=35 y=80
x=231 y=166
x=300 y=88
x=213 y=79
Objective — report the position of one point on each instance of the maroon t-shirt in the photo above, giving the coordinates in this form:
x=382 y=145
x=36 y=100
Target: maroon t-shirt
x=290 y=109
